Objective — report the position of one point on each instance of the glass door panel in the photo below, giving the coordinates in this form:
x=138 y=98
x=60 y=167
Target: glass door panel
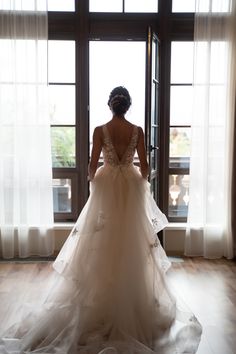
x=152 y=109
x=116 y=63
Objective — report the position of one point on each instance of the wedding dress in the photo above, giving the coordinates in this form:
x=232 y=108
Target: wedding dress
x=110 y=294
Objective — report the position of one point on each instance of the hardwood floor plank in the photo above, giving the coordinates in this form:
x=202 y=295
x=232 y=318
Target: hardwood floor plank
x=207 y=287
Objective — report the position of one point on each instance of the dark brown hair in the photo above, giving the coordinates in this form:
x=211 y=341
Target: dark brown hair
x=119 y=100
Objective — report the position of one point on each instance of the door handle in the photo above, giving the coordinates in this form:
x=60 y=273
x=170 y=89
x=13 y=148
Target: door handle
x=151 y=148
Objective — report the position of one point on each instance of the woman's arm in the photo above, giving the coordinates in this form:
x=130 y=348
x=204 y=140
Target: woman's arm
x=144 y=167
x=96 y=151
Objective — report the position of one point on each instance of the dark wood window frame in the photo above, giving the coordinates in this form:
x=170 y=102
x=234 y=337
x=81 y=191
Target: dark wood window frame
x=82 y=27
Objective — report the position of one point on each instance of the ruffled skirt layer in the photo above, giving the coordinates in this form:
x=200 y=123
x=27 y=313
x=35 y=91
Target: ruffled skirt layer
x=109 y=294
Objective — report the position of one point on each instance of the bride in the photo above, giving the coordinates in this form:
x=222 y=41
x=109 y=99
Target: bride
x=110 y=294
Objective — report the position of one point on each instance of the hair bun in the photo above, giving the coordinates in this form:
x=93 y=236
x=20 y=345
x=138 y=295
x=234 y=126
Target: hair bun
x=119 y=100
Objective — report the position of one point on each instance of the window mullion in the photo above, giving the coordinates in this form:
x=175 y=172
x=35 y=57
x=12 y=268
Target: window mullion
x=82 y=103
x=79 y=26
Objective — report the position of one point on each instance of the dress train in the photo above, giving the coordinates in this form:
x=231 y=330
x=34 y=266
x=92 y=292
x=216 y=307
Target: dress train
x=109 y=292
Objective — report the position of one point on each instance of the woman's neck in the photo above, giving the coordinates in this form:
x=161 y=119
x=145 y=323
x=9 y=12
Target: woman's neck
x=116 y=117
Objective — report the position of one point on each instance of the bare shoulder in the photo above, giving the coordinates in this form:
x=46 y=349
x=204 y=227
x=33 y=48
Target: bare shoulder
x=140 y=132
x=140 y=129
x=98 y=129
x=98 y=133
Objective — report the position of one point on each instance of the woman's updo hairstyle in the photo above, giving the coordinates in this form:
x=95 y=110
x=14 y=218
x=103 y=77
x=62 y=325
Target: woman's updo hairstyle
x=119 y=100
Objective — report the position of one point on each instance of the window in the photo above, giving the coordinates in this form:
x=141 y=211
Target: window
x=180 y=127
x=25 y=5
x=183 y=5
x=105 y=5
x=84 y=53
x=61 y=77
x=83 y=38
x=143 y=6
x=74 y=95
x=129 y=71
x=61 y=5
x=62 y=195
x=203 y=6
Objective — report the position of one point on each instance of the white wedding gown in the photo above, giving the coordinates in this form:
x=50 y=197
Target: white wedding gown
x=110 y=294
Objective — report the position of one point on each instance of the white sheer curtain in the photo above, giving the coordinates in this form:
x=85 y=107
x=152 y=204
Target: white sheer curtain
x=209 y=232
x=26 y=206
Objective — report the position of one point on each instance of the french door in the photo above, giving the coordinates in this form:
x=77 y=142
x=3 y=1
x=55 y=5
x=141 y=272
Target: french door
x=141 y=77
x=139 y=72
x=152 y=113
x=152 y=110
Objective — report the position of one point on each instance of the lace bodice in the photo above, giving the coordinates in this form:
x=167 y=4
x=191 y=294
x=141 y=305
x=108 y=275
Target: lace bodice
x=109 y=153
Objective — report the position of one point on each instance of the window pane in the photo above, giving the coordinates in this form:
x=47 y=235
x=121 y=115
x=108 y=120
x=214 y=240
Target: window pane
x=25 y=5
x=63 y=146
x=62 y=104
x=218 y=61
x=62 y=195
x=154 y=135
x=181 y=101
x=154 y=106
x=61 y=5
x=215 y=71
x=178 y=195
x=154 y=190
x=153 y=161
x=141 y=6
x=183 y=5
x=155 y=61
x=61 y=61
x=182 y=62
x=220 y=6
x=105 y=5
x=217 y=104
x=110 y=68
x=22 y=70
x=180 y=147
x=214 y=6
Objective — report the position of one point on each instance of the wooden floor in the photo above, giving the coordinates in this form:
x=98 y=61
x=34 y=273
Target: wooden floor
x=207 y=287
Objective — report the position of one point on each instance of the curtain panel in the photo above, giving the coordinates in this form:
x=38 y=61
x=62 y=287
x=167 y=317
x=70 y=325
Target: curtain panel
x=26 y=204
x=209 y=230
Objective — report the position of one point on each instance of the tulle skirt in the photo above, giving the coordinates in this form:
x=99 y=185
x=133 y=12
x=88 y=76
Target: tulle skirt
x=109 y=293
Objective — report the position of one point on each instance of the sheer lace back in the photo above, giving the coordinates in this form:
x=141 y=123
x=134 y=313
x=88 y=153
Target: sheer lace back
x=109 y=153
